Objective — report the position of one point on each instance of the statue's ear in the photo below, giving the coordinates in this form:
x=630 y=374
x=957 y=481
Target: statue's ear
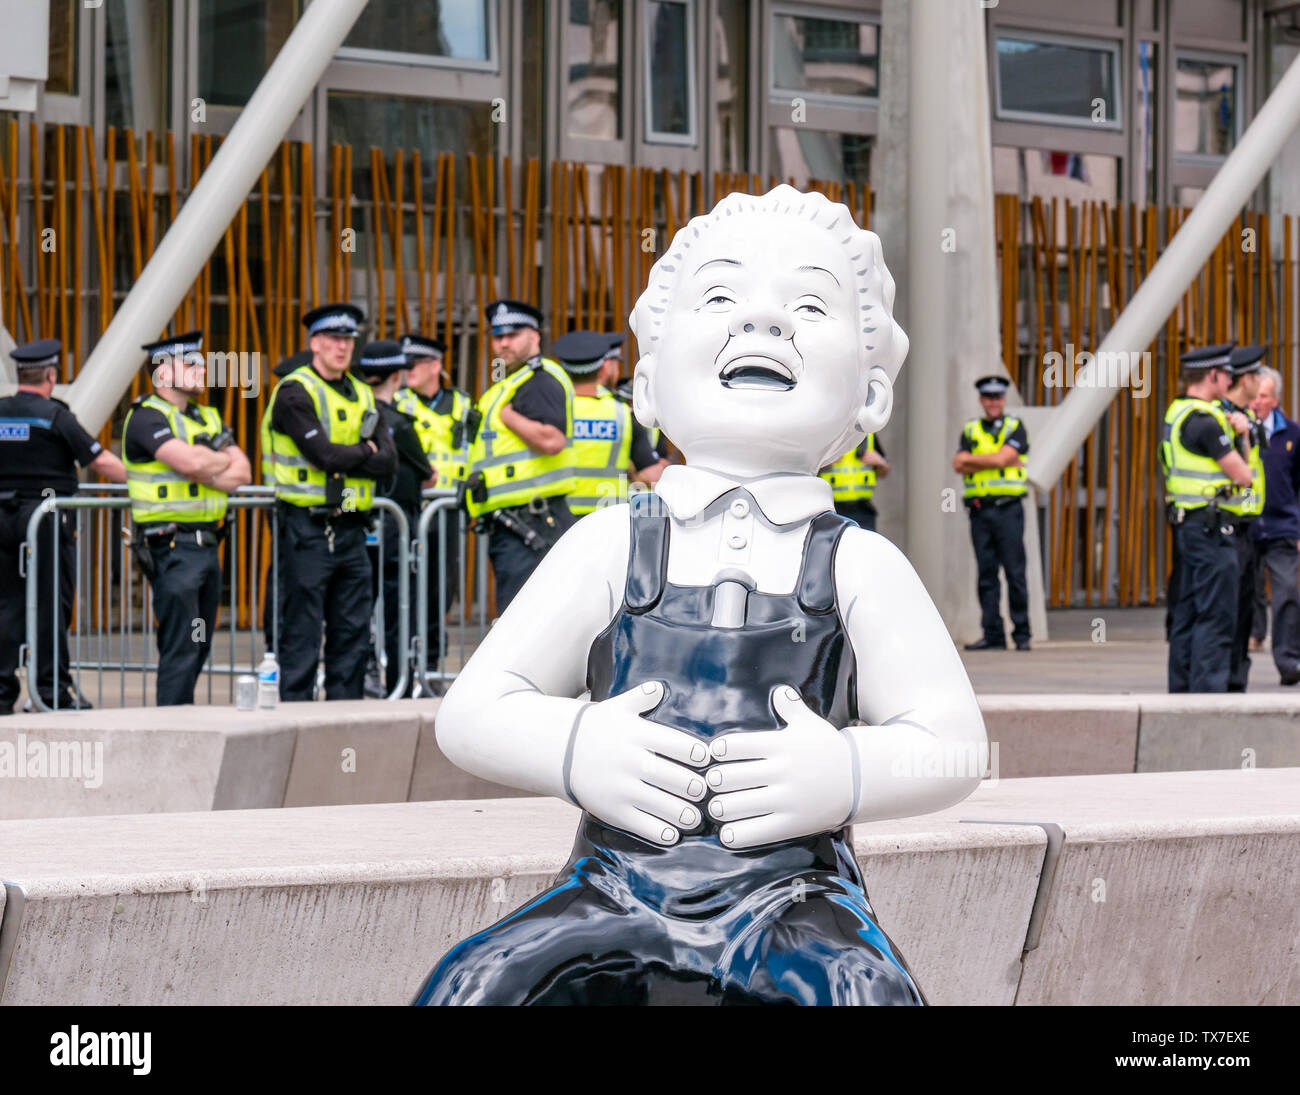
x=875 y=412
x=643 y=405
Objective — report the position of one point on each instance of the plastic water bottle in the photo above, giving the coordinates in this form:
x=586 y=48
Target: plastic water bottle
x=268 y=682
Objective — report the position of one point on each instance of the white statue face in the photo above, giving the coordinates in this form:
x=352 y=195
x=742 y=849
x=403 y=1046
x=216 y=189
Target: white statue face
x=758 y=369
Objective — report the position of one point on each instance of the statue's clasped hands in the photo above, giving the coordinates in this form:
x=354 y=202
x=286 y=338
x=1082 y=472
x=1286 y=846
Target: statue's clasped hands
x=763 y=786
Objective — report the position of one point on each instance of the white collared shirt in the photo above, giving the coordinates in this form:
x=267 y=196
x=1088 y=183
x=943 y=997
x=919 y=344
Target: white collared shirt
x=759 y=533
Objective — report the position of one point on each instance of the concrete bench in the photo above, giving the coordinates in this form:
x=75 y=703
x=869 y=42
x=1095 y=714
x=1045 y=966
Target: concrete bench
x=1173 y=888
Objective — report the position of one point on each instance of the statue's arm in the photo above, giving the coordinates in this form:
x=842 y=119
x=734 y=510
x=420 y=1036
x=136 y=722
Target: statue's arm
x=924 y=745
x=510 y=715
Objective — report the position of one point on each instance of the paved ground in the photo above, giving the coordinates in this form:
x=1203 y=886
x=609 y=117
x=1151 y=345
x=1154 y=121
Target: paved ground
x=1090 y=650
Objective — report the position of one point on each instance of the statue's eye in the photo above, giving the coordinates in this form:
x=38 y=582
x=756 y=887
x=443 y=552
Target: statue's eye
x=812 y=308
x=719 y=298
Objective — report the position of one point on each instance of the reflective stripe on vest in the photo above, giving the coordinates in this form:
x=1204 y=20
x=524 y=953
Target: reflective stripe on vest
x=852 y=480
x=160 y=493
x=1250 y=502
x=1191 y=480
x=992 y=481
x=512 y=473
x=602 y=451
x=298 y=481
x=437 y=432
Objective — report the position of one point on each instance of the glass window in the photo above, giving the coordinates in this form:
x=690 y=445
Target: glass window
x=1144 y=122
x=238 y=40
x=825 y=56
x=1205 y=106
x=1051 y=173
x=1053 y=80
x=533 y=86
x=806 y=154
x=670 y=72
x=730 y=90
x=64 y=18
x=457 y=29
x=594 y=95
x=137 y=70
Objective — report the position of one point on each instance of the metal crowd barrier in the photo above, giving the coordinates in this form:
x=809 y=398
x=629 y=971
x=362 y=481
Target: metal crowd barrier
x=104 y=618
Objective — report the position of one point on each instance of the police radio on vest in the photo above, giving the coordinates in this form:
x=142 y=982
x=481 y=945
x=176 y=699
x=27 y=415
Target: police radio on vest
x=595 y=429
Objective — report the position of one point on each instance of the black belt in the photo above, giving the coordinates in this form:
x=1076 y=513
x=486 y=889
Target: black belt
x=1207 y=516
x=172 y=534
x=995 y=501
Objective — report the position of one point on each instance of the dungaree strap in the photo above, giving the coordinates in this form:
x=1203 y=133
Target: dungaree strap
x=817 y=572
x=647 y=563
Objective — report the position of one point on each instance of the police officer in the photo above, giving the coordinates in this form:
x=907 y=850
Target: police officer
x=326 y=453
x=382 y=366
x=991 y=460
x=446 y=421
x=608 y=452
x=521 y=460
x=643 y=440
x=41 y=445
x=1203 y=468
x=1245 y=507
x=853 y=481
x=181 y=464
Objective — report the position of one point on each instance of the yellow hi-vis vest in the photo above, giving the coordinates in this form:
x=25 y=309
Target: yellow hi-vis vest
x=1191 y=480
x=851 y=480
x=992 y=482
x=159 y=492
x=512 y=473
x=438 y=432
x=602 y=451
x=296 y=480
x=1249 y=502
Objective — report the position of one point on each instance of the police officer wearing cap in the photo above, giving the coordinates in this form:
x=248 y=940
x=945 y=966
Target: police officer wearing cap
x=327 y=450
x=991 y=461
x=853 y=481
x=608 y=452
x=181 y=464
x=382 y=366
x=521 y=460
x=41 y=446
x=1246 y=506
x=1203 y=469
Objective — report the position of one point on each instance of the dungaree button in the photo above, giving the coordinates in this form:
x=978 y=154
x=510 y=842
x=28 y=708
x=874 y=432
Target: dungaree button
x=736 y=542
x=739 y=508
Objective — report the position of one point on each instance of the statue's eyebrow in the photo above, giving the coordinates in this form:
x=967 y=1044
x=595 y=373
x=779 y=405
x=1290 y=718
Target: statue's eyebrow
x=824 y=271
x=732 y=262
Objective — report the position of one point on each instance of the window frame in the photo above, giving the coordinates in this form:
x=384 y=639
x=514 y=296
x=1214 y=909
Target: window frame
x=1203 y=159
x=649 y=135
x=1113 y=46
x=427 y=60
x=821 y=98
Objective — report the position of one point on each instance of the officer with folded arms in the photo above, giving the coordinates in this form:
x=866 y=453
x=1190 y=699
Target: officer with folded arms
x=1203 y=469
x=181 y=465
x=327 y=450
x=41 y=446
x=521 y=460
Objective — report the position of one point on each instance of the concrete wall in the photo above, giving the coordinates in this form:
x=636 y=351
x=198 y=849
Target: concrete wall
x=168 y=760
x=355 y=904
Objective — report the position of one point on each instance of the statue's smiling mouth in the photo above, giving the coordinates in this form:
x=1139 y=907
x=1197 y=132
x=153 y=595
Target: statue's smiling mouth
x=757 y=371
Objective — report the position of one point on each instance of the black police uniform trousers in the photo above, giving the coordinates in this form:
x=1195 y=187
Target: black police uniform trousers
x=1279 y=559
x=389 y=573
x=323 y=587
x=997 y=532
x=1205 y=615
x=513 y=561
x=186 y=587
x=13 y=602
x=1239 y=664
x=860 y=511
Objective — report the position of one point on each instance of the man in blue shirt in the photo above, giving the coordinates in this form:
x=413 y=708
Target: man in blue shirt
x=1277 y=529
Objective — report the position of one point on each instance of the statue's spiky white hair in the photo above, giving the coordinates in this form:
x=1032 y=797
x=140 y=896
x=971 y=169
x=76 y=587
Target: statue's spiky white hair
x=884 y=343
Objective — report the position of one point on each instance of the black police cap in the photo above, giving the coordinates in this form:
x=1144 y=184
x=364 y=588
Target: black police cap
x=38 y=354
x=344 y=320
x=191 y=342
x=992 y=385
x=1207 y=357
x=414 y=346
x=1247 y=359
x=507 y=315
x=380 y=359
x=582 y=351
